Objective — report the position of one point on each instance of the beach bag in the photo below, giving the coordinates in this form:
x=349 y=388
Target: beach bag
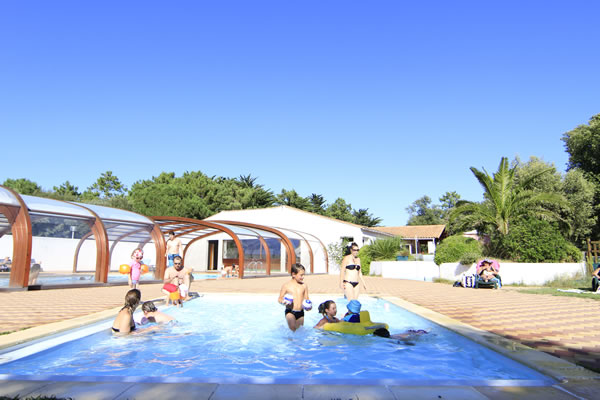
x=469 y=281
x=169 y=287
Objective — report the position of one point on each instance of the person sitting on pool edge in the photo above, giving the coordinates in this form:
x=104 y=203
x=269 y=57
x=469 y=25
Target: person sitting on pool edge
x=151 y=314
x=329 y=310
x=353 y=314
x=294 y=295
x=124 y=323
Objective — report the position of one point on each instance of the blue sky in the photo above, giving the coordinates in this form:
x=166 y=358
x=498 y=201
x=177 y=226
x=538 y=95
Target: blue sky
x=376 y=102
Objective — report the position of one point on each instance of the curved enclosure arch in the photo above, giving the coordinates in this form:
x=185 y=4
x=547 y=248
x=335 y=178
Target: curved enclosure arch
x=55 y=243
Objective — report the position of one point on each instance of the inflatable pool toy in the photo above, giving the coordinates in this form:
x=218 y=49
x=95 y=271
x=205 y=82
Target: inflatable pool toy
x=124 y=269
x=145 y=269
x=364 y=327
x=174 y=296
x=307 y=305
x=288 y=300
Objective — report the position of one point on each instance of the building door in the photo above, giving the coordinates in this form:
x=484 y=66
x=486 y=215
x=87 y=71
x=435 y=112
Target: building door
x=213 y=255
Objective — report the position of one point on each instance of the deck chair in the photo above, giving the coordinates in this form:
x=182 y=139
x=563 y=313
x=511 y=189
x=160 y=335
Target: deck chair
x=480 y=283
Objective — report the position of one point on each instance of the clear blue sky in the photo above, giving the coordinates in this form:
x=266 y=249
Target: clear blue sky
x=377 y=102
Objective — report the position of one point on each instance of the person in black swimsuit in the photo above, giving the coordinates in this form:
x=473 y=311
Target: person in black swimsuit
x=294 y=295
x=351 y=274
x=124 y=322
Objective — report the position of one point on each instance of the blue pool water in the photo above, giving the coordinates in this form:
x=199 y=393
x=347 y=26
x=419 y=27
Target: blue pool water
x=219 y=337
x=66 y=279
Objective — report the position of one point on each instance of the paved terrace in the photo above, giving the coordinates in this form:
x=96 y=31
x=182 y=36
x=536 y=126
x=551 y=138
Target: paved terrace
x=565 y=327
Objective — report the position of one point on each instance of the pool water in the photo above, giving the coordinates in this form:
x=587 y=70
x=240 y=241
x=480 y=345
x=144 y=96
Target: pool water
x=225 y=338
x=68 y=279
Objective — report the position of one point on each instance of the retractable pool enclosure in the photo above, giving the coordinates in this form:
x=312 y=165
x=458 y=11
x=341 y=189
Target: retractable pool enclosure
x=72 y=237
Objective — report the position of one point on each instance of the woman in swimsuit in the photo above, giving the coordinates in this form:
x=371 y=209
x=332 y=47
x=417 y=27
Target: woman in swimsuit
x=329 y=310
x=124 y=322
x=350 y=274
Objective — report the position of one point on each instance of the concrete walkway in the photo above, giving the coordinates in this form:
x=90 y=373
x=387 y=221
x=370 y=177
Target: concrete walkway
x=565 y=327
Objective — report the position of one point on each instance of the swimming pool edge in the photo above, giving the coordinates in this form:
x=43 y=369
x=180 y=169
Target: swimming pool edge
x=547 y=364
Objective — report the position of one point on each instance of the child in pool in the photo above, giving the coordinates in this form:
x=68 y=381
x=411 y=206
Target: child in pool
x=329 y=310
x=405 y=337
x=135 y=268
x=294 y=295
x=353 y=314
x=151 y=314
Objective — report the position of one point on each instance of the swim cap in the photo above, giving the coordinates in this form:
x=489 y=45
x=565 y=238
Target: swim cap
x=307 y=305
x=354 y=306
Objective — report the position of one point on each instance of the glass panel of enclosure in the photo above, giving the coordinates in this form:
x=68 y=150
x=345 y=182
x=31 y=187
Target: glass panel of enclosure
x=122 y=252
x=254 y=257
x=6 y=197
x=6 y=250
x=56 y=241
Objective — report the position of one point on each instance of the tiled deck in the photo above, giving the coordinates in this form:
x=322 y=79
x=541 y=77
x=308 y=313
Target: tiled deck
x=562 y=326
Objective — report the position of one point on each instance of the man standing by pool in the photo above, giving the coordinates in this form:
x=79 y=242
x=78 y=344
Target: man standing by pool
x=173 y=248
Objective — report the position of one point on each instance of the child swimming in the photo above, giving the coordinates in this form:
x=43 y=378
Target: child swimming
x=124 y=323
x=329 y=310
x=294 y=295
x=151 y=314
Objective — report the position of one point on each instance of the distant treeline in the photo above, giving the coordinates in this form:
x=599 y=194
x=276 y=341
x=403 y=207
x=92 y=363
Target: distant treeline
x=192 y=195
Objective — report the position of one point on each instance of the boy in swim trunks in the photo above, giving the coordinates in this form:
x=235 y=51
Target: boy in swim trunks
x=296 y=288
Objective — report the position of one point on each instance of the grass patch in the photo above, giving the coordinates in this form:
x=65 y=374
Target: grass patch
x=554 y=292
x=442 y=280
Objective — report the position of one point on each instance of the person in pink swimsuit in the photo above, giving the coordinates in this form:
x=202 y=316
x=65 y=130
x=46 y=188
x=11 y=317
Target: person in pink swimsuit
x=136 y=268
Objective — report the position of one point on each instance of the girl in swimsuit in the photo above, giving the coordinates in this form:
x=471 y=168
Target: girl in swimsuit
x=124 y=322
x=350 y=274
x=329 y=310
x=135 y=268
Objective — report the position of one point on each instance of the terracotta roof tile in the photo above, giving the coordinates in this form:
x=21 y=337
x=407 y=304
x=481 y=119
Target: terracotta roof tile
x=412 y=231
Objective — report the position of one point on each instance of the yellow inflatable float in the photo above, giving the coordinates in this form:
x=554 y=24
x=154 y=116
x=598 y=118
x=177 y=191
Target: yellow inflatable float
x=364 y=327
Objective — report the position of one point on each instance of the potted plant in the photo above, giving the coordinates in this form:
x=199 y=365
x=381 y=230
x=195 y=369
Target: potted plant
x=403 y=255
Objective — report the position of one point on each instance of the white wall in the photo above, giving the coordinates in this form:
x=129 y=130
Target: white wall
x=511 y=273
x=411 y=270
x=56 y=254
x=515 y=273
x=327 y=230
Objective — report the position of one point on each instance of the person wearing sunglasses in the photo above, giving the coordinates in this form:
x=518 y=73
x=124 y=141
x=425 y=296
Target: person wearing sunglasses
x=351 y=274
x=176 y=278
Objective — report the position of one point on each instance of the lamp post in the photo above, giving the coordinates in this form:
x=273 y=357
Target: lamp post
x=73 y=229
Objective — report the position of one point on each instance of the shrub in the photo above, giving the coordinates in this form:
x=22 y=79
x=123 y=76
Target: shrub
x=365 y=259
x=454 y=247
x=469 y=258
x=536 y=240
x=385 y=249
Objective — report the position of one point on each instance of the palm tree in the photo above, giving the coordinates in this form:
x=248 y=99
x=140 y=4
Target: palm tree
x=505 y=200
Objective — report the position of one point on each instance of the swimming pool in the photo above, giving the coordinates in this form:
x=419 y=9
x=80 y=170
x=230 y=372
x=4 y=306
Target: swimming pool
x=220 y=338
x=79 y=279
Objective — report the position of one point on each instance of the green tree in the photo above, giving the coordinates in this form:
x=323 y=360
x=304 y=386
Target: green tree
x=583 y=146
x=362 y=217
x=293 y=199
x=67 y=191
x=505 y=200
x=579 y=216
x=341 y=210
x=422 y=213
x=23 y=186
x=105 y=187
x=317 y=203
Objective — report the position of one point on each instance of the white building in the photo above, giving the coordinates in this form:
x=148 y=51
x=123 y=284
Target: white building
x=308 y=229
